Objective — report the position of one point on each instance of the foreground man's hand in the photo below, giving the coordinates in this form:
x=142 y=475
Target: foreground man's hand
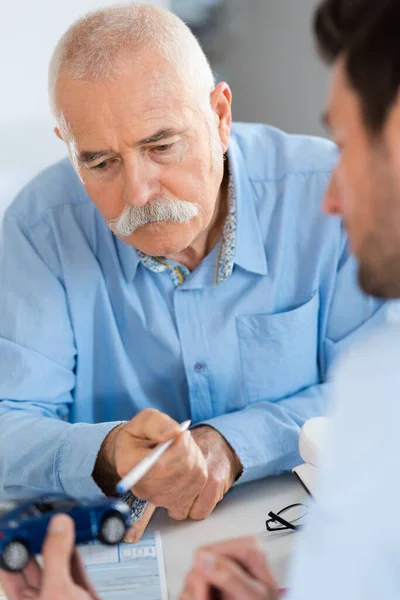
x=231 y=570
x=63 y=576
x=223 y=467
x=174 y=482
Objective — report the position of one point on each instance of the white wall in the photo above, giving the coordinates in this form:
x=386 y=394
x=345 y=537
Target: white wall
x=29 y=31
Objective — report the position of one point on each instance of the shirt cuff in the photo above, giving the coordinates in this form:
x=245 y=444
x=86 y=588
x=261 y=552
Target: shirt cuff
x=78 y=455
x=256 y=445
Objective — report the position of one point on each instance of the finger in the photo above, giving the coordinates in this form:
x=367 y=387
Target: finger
x=205 y=502
x=195 y=587
x=136 y=530
x=230 y=578
x=31 y=594
x=181 y=503
x=80 y=575
x=249 y=553
x=57 y=553
x=153 y=425
x=179 y=514
x=13 y=584
x=33 y=574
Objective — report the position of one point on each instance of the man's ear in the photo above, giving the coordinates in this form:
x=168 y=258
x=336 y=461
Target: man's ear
x=221 y=102
x=58 y=133
x=391 y=137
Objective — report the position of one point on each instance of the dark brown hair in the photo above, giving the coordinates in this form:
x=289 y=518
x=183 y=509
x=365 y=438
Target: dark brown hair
x=367 y=34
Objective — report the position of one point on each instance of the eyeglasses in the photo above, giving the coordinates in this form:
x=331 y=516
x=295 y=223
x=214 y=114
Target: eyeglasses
x=291 y=517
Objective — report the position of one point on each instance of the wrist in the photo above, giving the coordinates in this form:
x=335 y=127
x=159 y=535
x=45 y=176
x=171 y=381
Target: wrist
x=104 y=472
x=235 y=464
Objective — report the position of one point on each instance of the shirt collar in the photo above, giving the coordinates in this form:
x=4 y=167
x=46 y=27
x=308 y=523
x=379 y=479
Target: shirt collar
x=128 y=258
x=224 y=252
x=250 y=253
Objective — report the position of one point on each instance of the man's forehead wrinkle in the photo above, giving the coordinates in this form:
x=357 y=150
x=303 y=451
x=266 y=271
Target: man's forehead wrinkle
x=175 y=112
x=162 y=88
x=162 y=100
x=116 y=127
x=151 y=121
x=160 y=119
x=158 y=93
x=91 y=139
x=115 y=144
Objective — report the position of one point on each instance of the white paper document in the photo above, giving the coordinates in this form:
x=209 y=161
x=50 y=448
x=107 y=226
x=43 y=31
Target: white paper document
x=127 y=571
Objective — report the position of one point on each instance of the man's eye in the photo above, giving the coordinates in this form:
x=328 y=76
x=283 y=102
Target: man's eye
x=164 y=148
x=101 y=166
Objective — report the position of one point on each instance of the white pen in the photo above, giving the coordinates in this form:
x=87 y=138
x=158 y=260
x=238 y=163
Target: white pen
x=147 y=463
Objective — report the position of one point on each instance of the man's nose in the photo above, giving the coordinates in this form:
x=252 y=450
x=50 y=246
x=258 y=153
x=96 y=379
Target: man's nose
x=139 y=184
x=333 y=204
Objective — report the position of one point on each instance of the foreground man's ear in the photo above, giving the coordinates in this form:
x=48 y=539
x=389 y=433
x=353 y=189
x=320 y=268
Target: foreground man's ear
x=391 y=138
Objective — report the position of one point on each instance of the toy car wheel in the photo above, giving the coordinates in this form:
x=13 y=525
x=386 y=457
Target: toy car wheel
x=112 y=529
x=15 y=556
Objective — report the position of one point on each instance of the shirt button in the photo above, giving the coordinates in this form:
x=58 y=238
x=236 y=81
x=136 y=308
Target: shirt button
x=199 y=367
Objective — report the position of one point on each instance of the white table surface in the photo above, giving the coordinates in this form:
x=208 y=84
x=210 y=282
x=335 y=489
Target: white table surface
x=243 y=511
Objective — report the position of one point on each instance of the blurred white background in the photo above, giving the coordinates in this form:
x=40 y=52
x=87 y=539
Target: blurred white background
x=263 y=48
x=29 y=31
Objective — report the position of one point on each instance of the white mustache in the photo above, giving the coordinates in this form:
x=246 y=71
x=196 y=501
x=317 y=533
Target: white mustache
x=160 y=209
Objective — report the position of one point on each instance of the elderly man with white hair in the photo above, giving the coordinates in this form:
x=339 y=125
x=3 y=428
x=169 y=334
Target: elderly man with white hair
x=175 y=267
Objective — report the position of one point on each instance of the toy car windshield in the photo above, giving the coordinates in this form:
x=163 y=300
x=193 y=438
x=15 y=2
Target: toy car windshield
x=6 y=507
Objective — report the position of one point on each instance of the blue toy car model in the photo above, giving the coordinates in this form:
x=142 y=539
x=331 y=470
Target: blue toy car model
x=23 y=524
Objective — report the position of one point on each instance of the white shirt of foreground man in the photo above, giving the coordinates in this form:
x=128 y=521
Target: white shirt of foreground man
x=349 y=549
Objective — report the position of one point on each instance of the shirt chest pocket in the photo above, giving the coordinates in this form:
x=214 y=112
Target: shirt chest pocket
x=279 y=352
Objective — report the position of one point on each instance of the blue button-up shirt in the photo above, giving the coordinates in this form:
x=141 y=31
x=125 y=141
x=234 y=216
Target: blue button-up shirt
x=89 y=335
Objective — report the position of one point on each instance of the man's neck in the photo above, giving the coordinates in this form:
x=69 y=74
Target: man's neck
x=192 y=256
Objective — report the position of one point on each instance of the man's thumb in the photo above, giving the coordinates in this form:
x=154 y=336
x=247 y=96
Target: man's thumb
x=137 y=529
